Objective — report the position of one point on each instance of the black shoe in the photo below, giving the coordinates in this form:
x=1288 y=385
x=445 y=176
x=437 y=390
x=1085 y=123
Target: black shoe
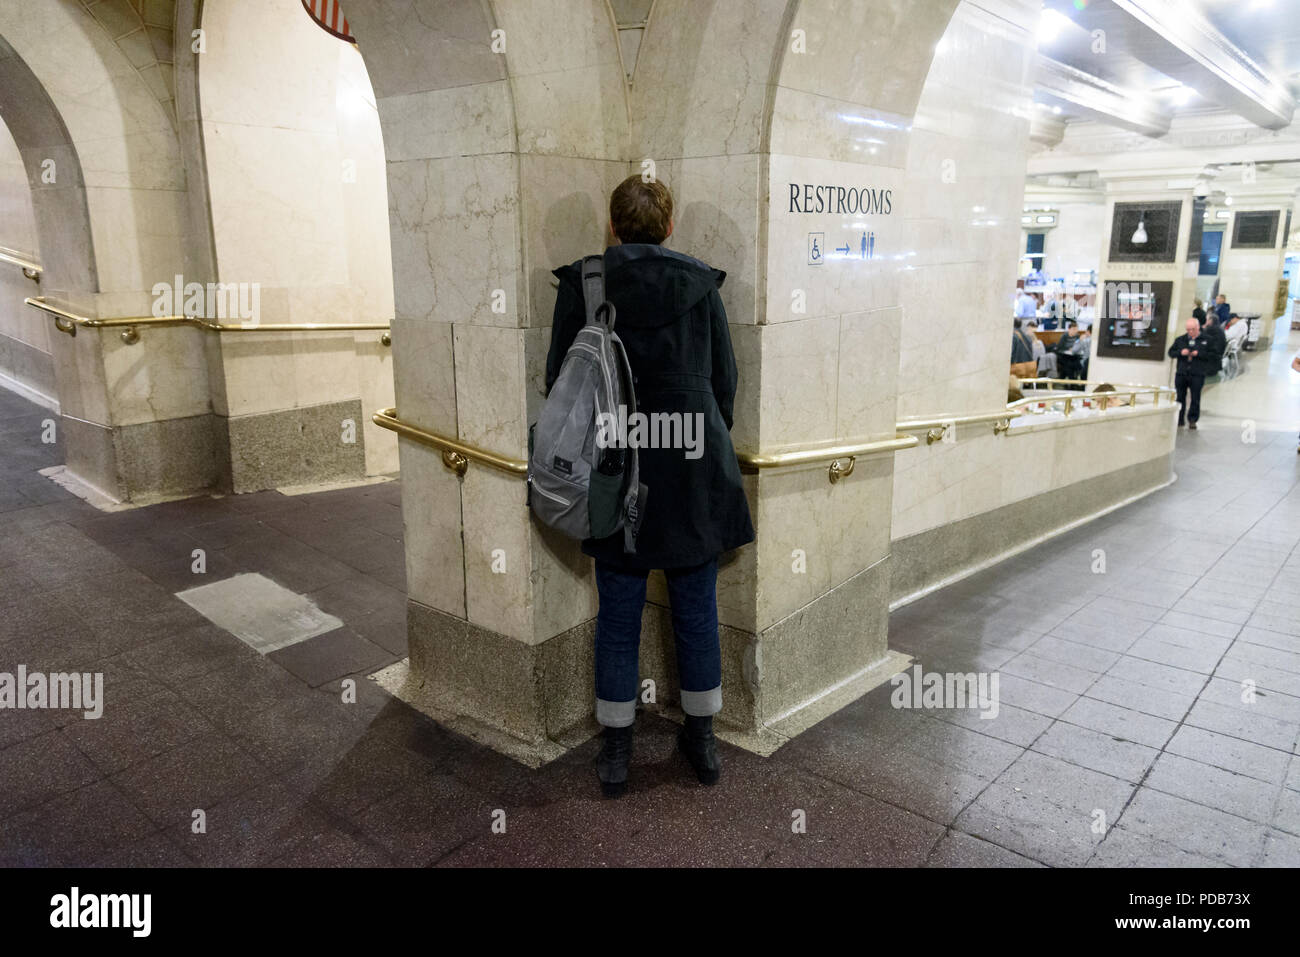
x=697 y=742
x=1192 y=426
x=612 y=762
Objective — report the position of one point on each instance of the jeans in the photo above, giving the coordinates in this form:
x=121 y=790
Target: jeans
x=1185 y=382
x=693 y=597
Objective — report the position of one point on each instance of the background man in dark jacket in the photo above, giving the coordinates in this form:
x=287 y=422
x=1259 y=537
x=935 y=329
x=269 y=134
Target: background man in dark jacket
x=1194 y=352
x=672 y=323
x=1212 y=329
x=1221 y=308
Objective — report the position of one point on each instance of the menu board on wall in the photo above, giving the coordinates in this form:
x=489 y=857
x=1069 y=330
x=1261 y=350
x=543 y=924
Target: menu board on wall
x=1132 y=319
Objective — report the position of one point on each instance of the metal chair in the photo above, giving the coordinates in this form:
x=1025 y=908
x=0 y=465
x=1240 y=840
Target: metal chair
x=1232 y=359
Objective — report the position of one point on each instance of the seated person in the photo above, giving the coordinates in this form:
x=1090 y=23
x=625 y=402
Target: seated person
x=1053 y=311
x=1046 y=360
x=1237 y=328
x=1221 y=308
x=1083 y=349
x=1021 y=350
x=1068 y=351
x=1108 y=403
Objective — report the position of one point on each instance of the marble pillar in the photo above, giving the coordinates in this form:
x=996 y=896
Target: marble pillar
x=786 y=130
x=1253 y=251
x=292 y=156
x=108 y=193
x=1166 y=197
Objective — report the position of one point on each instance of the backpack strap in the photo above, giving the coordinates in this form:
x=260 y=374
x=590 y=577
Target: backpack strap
x=593 y=291
x=600 y=311
x=635 y=495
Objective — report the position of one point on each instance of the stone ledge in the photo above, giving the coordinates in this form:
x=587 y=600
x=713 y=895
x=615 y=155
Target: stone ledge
x=942 y=556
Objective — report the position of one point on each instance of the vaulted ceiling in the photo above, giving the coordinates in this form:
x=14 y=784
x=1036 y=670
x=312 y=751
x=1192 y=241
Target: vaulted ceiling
x=144 y=31
x=1138 y=64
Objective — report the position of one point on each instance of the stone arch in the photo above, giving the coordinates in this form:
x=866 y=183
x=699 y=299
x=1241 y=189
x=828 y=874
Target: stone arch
x=505 y=127
x=745 y=100
x=116 y=224
x=47 y=150
x=553 y=91
x=129 y=157
x=143 y=31
x=282 y=132
x=717 y=91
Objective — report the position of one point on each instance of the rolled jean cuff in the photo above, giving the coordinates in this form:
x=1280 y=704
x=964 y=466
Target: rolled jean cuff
x=701 y=704
x=616 y=714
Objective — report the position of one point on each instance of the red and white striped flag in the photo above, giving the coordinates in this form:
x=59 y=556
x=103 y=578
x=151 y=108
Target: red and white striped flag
x=330 y=17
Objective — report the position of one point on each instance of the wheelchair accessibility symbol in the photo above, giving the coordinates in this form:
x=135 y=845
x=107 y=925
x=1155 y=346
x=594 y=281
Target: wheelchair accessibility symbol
x=816 y=249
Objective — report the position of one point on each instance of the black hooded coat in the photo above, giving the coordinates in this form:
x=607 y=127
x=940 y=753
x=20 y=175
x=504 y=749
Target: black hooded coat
x=672 y=323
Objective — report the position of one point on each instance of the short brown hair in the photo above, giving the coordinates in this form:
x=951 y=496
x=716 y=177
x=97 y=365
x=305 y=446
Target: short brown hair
x=641 y=212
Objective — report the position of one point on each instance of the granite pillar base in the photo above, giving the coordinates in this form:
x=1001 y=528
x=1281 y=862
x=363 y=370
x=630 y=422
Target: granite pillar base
x=146 y=462
x=534 y=702
x=304 y=446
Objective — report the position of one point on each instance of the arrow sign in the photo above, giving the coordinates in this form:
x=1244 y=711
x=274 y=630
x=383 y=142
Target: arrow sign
x=842 y=249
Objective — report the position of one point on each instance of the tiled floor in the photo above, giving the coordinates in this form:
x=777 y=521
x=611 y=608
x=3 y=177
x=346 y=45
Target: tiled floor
x=1122 y=737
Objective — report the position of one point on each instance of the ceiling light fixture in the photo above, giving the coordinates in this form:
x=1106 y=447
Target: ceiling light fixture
x=1050 y=25
x=1140 y=234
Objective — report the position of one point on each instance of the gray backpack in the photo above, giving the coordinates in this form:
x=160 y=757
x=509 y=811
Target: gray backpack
x=574 y=484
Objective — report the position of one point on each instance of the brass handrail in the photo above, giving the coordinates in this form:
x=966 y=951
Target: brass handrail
x=68 y=322
x=1126 y=395
x=936 y=427
x=457 y=455
x=30 y=269
x=842 y=456
x=1121 y=387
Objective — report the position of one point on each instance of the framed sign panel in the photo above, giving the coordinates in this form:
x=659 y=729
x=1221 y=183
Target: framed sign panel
x=1132 y=319
x=1197 y=229
x=1255 y=229
x=1154 y=226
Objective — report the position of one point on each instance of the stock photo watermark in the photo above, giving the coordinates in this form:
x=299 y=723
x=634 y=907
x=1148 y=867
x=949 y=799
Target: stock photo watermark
x=212 y=301
x=946 y=690
x=55 y=691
